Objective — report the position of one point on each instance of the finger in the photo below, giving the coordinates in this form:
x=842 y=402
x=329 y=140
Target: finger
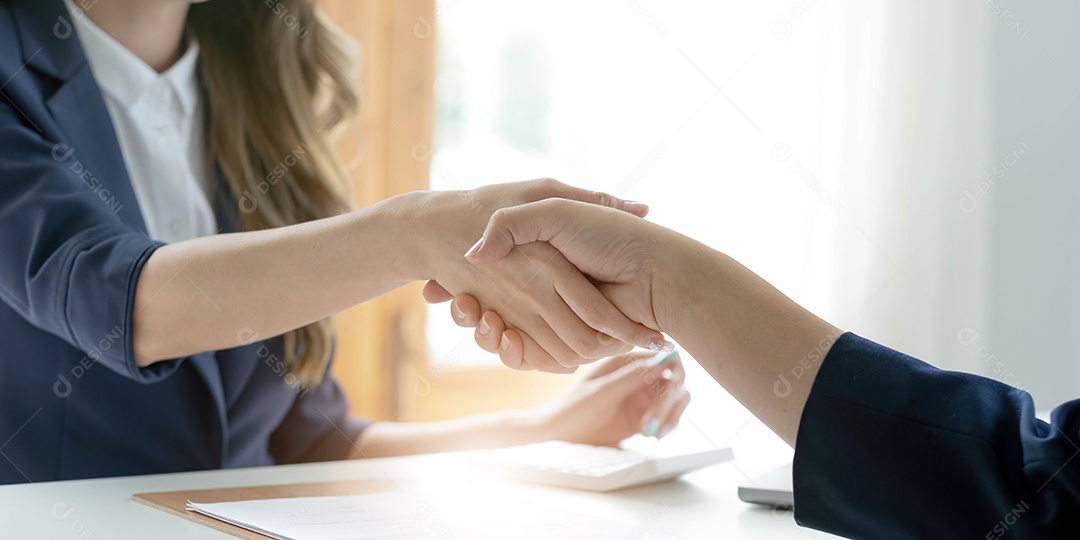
x=521 y=350
x=660 y=394
x=651 y=420
x=596 y=311
x=581 y=339
x=678 y=371
x=670 y=380
x=541 y=344
x=517 y=225
x=489 y=331
x=670 y=421
x=549 y=188
x=666 y=390
x=465 y=310
x=435 y=293
x=512 y=351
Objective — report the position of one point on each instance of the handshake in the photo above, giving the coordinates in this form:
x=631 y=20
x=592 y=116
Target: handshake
x=561 y=277
x=587 y=283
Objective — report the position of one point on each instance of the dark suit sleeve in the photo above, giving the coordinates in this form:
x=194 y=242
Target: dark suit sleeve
x=891 y=447
x=318 y=427
x=67 y=263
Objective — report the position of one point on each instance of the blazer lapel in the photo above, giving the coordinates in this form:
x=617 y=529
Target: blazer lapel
x=80 y=113
x=48 y=37
x=51 y=46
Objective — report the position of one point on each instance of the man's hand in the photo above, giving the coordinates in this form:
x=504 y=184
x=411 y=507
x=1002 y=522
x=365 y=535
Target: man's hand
x=614 y=249
x=565 y=321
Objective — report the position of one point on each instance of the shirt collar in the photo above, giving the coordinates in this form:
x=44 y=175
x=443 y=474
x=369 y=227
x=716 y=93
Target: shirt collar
x=125 y=76
x=182 y=77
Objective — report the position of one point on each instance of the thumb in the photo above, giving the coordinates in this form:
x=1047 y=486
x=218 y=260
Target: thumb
x=516 y=225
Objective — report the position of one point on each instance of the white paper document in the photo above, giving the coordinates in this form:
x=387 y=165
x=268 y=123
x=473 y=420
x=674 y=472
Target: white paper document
x=417 y=515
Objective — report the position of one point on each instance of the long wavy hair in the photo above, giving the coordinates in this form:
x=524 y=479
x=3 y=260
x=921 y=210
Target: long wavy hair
x=276 y=80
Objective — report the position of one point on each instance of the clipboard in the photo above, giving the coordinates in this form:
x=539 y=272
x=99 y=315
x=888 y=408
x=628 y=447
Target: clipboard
x=175 y=502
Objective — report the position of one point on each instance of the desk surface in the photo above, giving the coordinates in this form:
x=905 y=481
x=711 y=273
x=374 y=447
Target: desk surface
x=704 y=504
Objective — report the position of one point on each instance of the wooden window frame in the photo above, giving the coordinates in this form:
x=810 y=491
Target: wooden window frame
x=381 y=359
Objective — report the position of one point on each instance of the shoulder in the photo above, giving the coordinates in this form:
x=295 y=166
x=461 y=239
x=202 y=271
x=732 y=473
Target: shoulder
x=37 y=52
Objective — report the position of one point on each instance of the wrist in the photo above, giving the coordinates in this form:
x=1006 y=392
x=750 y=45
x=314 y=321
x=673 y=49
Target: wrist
x=526 y=426
x=441 y=227
x=408 y=223
x=681 y=268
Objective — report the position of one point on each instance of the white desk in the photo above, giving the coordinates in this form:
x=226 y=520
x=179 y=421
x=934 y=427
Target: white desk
x=704 y=504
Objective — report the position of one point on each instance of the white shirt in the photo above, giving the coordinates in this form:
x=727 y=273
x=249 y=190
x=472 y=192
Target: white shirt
x=159 y=125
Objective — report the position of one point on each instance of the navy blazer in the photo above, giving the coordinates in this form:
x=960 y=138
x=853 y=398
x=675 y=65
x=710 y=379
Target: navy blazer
x=890 y=447
x=72 y=243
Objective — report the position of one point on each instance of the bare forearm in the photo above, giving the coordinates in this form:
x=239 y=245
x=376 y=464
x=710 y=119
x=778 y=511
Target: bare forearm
x=493 y=430
x=217 y=292
x=756 y=342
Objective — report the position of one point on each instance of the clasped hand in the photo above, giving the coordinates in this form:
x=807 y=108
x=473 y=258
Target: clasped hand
x=543 y=312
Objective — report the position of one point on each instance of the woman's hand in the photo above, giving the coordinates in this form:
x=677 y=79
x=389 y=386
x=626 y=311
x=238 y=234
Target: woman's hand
x=564 y=320
x=623 y=396
x=615 y=250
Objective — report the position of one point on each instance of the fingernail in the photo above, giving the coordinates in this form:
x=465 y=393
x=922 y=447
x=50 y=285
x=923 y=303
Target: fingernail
x=458 y=314
x=484 y=328
x=661 y=345
x=667 y=358
x=505 y=345
x=651 y=427
x=476 y=247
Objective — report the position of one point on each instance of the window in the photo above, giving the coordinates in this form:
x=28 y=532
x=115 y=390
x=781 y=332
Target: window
x=665 y=103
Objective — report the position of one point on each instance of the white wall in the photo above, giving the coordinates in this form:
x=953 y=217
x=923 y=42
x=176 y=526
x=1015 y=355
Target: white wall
x=1033 y=330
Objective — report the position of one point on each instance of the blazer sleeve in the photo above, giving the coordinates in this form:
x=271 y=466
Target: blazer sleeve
x=891 y=447
x=68 y=265
x=318 y=427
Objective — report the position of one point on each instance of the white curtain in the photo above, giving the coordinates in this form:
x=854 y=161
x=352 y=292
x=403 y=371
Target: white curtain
x=910 y=266
x=954 y=240
x=902 y=167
